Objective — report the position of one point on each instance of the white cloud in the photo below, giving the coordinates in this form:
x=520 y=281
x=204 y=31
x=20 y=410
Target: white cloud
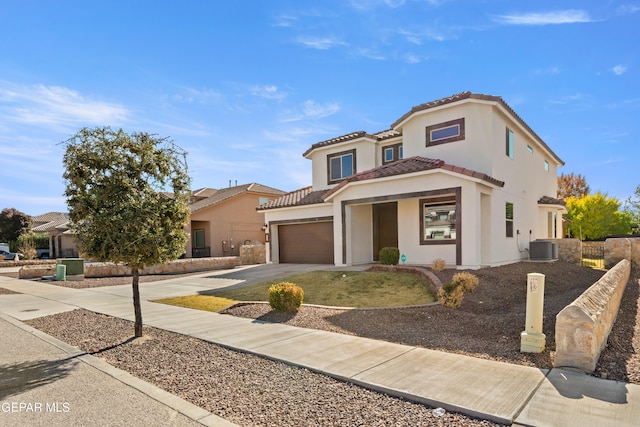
x=191 y=95
x=417 y=37
x=546 y=71
x=311 y=110
x=56 y=106
x=368 y=53
x=314 y=110
x=410 y=58
x=619 y=70
x=285 y=21
x=570 y=16
x=320 y=43
x=267 y=92
x=627 y=9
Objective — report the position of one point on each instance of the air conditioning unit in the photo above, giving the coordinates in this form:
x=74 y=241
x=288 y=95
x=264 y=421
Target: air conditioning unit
x=543 y=250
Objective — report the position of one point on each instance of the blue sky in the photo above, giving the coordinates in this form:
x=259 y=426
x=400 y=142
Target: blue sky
x=245 y=87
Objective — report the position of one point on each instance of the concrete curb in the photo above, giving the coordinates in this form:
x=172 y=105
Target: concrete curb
x=176 y=403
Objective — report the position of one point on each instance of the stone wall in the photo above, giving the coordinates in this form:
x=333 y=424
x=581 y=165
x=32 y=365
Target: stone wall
x=253 y=254
x=107 y=269
x=582 y=327
x=569 y=250
x=616 y=249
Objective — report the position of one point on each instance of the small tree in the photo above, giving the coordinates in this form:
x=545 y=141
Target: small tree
x=119 y=211
x=13 y=223
x=597 y=216
x=632 y=207
x=572 y=185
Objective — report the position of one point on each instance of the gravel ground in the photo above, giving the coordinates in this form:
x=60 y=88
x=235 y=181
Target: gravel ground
x=242 y=388
x=245 y=388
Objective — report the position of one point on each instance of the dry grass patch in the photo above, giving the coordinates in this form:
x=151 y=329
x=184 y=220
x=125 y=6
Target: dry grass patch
x=199 y=302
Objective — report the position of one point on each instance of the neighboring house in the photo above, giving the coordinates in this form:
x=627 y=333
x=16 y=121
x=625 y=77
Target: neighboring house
x=61 y=242
x=463 y=179
x=222 y=220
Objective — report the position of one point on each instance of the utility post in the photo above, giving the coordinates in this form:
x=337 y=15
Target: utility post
x=532 y=340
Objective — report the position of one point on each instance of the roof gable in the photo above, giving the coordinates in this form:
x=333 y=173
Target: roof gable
x=219 y=196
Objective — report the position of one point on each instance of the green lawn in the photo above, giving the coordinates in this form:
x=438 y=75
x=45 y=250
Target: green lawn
x=345 y=289
x=331 y=288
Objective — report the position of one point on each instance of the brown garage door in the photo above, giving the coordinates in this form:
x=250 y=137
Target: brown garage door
x=310 y=243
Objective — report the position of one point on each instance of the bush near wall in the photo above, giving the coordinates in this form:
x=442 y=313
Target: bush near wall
x=389 y=256
x=285 y=297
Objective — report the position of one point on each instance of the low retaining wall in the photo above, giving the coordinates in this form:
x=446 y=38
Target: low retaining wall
x=616 y=249
x=107 y=269
x=582 y=327
x=569 y=250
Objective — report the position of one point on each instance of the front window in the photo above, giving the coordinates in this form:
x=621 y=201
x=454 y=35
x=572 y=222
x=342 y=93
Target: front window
x=391 y=153
x=442 y=133
x=509 y=219
x=438 y=219
x=341 y=165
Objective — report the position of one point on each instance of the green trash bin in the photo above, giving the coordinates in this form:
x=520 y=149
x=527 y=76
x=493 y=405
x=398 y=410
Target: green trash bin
x=61 y=272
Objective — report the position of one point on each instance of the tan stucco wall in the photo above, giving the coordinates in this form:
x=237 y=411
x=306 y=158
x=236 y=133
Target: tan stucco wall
x=233 y=221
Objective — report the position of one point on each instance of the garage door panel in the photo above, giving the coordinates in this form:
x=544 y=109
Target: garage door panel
x=309 y=243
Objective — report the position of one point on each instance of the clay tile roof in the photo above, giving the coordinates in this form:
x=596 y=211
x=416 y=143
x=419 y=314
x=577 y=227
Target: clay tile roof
x=337 y=140
x=303 y=196
x=548 y=200
x=411 y=165
x=226 y=193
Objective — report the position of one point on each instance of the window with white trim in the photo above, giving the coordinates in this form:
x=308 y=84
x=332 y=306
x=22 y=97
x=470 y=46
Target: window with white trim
x=391 y=153
x=341 y=165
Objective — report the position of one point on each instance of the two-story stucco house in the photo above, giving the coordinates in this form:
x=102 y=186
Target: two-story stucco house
x=463 y=179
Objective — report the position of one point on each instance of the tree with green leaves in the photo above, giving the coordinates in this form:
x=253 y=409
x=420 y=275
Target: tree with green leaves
x=596 y=216
x=572 y=185
x=128 y=198
x=632 y=207
x=13 y=223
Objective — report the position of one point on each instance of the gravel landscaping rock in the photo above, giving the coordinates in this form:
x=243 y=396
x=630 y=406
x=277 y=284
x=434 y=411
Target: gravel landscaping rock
x=242 y=388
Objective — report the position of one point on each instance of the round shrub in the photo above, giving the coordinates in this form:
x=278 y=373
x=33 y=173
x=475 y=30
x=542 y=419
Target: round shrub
x=438 y=264
x=389 y=256
x=450 y=295
x=285 y=297
x=466 y=280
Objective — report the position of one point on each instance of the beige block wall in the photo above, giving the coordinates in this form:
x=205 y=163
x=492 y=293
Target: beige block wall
x=582 y=327
x=617 y=249
x=569 y=250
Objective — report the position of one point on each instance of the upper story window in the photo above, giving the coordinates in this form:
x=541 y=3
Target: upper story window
x=442 y=133
x=546 y=166
x=262 y=200
x=391 y=153
x=509 y=219
x=529 y=149
x=509 y=143
x=341 y=165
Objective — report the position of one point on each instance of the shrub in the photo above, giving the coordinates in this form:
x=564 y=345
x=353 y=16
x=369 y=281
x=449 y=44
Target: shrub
x=389 y=256
x=466 y=280
x=438 y=264
x=450 y=295
x=285 y=297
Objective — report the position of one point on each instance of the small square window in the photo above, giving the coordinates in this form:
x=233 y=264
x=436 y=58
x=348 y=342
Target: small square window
x=529 y=149
x=388 y=154
x=391 y=153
